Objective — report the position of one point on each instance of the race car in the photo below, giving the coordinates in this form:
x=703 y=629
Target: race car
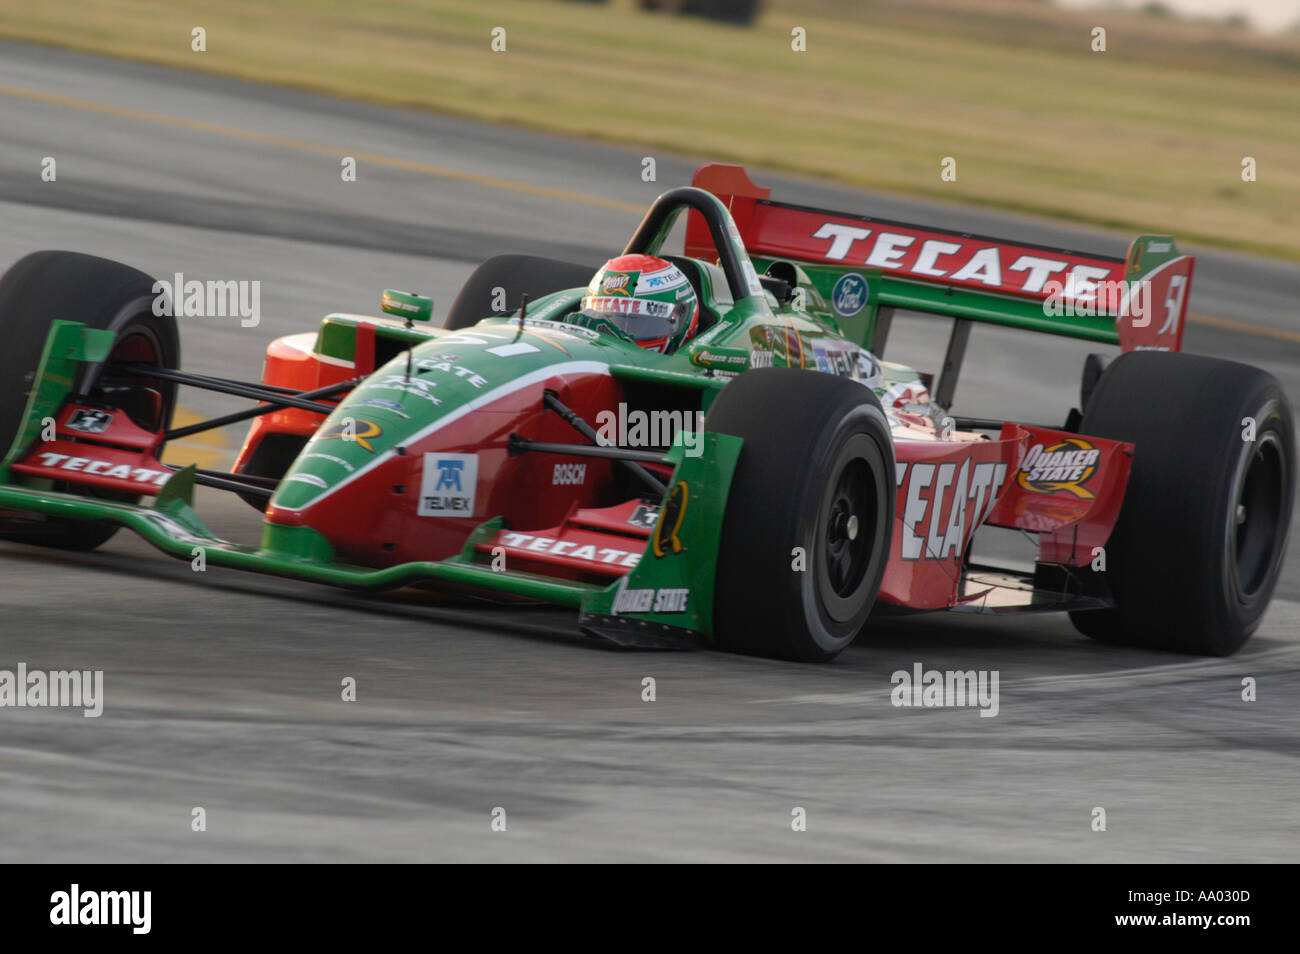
x=705 y=449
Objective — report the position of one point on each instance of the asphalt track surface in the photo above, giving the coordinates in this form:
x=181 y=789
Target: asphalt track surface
x=223 y=689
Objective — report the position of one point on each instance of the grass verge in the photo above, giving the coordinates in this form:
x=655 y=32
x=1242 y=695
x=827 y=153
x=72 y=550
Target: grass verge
x=1149 y=135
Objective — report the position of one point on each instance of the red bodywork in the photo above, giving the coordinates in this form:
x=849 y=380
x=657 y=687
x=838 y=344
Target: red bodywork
x=375 y=522
x=948 y=490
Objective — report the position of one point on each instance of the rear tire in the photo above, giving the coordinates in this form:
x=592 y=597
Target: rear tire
x=1199 y=544
x=43 y=287
x=817 y=452
x=503 y=279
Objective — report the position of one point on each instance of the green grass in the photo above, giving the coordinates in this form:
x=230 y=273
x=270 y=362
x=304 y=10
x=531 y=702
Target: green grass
x=1148 y=136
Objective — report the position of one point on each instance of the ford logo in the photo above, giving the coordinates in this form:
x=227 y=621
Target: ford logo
x=849 y=295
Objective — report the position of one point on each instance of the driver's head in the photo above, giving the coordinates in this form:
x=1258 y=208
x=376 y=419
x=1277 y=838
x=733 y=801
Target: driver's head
x=643 y=298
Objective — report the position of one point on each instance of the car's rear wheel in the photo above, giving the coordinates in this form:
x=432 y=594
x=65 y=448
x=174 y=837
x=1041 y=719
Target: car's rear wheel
x=1199 y=544
x=496 y=286
x=809 y=517
x=45 y=286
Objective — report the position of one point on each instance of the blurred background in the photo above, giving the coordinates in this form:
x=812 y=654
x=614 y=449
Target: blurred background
x=1148 y=134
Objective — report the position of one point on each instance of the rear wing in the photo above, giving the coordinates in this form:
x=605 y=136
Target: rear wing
x=866 y=267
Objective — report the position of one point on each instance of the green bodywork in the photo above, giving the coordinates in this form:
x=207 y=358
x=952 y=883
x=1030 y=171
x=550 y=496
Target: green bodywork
x=172 y=524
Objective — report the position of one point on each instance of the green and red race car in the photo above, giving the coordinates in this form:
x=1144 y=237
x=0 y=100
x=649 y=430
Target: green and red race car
x=704 y=449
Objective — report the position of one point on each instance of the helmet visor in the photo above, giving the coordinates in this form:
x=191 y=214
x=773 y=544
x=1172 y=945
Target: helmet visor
x=641 y=319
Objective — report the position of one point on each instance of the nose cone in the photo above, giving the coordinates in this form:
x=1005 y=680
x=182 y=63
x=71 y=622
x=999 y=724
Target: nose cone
x=362 y=475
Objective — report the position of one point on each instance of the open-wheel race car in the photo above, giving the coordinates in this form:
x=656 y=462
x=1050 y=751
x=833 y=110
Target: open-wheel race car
x=700 y=449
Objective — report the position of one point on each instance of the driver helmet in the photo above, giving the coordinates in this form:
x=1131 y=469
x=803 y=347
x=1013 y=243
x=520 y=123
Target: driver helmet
x=644 y=299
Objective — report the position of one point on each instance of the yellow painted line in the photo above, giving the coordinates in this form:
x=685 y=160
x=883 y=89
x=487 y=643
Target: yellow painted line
x=211 y=450
x=303 y=145
x=1228 y=324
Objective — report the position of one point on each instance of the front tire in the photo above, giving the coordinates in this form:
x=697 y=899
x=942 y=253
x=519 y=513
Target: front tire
x=809 y=518
x=1199 y=544
x=101 y=294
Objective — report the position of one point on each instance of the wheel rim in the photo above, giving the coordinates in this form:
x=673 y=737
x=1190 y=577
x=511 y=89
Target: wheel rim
x=1255 y=531
x=849 y=531
x=845 y=548
x=139 y=345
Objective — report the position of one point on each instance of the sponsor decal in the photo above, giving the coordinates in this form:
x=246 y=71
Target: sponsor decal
x=706 y=357
x=448 y=484
x=446 y=363
x=837 y=361
x=630 y=306
x=104 y=468
x=959 y=259
x=615 y=283
x=868 y=368
x=567 y=475
x=941 y=503
x=644 y=516
x=849 y=296
x=665 y=600
x=89 y=421
x=794 y=356
x=771 y=346
x=417 y=387
x=353 y=430
x=670 y=277
x=395 y=406
x=666 y=539
x=586 y=551
x=311 y=479
x=408 y=304
x=1064 y=466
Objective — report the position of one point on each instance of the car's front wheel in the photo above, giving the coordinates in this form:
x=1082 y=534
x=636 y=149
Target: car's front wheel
x=101 y=294
x=809 y=517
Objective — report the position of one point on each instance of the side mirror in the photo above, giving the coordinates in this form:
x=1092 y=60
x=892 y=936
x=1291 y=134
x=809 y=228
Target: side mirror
x=407 y=305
